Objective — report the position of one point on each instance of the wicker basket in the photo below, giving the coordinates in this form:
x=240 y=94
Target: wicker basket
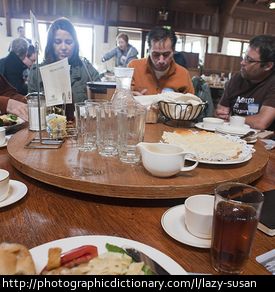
x=181 y=111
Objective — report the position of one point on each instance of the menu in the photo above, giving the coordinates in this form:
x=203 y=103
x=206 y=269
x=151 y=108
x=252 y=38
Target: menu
x=57 y=84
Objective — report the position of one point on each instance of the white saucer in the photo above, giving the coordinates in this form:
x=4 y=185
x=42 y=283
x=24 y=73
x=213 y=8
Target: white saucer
x=16 y=192
x=237 y=131
x=6 y=142
x=172 y=222
x=201 y=126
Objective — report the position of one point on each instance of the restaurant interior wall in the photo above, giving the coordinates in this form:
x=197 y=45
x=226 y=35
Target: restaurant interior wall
x=246 y=20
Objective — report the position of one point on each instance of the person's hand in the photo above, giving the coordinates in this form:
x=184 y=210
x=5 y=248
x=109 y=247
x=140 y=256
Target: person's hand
x=136 y=93
x=222 y=112
x=18 y=108
x=103 y=60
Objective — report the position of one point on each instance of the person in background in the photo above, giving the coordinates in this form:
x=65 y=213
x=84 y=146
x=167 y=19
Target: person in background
x=21 y=34
x=29 y=61
x=62 y=43
x=159 y=70
x=251 y=92
x=11 y=102
x=12 y=66
x=124 y=52
x=180 y=59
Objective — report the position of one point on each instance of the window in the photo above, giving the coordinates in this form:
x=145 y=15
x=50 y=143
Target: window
x=236 y=48
x=192 y=44
x=85 y=39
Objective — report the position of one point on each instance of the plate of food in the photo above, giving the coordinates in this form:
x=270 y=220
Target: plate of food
x=212 y=148
x=40 y=254
x=10 y=121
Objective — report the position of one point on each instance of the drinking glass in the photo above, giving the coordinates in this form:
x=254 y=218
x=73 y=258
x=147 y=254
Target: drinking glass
x=131 y=127
x=107 y=129
x=237 y=211
x=86 y=126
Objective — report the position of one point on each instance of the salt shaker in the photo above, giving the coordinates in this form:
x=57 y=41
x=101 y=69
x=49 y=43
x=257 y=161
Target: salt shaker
x=32 y=100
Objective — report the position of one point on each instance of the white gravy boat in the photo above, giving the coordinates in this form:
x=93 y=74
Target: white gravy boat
x=165 y=160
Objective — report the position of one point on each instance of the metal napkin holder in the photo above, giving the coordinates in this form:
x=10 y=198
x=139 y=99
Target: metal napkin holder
x=41 y=142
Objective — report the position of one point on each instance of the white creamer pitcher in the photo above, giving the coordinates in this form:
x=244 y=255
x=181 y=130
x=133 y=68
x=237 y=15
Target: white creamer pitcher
x=165 y=160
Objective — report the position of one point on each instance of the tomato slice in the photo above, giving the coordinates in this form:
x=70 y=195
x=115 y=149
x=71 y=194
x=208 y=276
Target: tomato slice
x=77 y=256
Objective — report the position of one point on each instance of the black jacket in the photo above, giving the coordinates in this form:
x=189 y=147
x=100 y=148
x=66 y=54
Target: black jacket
x=12 y=68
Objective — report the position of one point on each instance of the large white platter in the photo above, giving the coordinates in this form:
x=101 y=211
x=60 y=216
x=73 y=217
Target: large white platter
x=40 y=253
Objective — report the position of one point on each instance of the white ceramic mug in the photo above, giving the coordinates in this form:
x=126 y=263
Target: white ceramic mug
x=2 y=135
x=4 y=184
x=165 y=160
x=237 y=121
x=212 y=123
x=199 y=215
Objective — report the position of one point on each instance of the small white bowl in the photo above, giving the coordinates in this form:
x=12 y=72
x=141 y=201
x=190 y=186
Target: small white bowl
x=212 y=123
x=199 y=215
x=4 y=184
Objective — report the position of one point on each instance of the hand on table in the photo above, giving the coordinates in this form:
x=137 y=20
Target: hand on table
x=18 y=108
x=222 y=112
x=136 y=93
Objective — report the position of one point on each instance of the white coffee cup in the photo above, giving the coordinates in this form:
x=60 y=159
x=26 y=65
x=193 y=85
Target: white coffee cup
x=199 y=215
x=4 y=184
x=237 y=121
x=2 y=135
x=164 y=160
x=212 y=123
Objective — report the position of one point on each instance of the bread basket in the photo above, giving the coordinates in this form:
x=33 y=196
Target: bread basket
x=181 y=111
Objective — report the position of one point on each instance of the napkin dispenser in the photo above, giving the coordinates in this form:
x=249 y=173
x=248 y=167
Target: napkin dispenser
x=100 y=90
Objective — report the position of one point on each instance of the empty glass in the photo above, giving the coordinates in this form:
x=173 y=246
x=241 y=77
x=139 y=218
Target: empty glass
x=131 y=127
x=107 y=129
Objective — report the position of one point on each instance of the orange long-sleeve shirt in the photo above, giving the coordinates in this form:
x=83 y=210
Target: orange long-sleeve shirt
x=177 y=78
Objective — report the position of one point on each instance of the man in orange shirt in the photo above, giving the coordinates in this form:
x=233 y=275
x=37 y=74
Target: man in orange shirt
x=159 y=70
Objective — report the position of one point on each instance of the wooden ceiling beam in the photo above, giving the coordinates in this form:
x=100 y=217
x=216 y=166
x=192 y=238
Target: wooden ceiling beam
x=225 y=11
x=6 y=7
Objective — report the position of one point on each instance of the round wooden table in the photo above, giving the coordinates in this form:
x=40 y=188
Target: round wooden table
x=90 y=173
x=48 y=213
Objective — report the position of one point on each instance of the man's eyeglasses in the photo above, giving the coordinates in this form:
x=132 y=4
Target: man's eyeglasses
x=249 y=60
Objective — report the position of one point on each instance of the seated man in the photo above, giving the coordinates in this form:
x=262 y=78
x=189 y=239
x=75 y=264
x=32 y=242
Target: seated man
x=11 y=102
x=12 y=66
x=251 y=92
x=159 y=70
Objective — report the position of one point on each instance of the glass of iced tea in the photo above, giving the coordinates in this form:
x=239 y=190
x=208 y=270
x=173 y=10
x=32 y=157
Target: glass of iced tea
x=237 y=210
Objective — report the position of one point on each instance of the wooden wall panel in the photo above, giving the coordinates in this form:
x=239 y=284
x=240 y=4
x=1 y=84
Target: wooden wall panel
x=270 y=29
x=218 y=63
x=146 y=15
x=127 y=13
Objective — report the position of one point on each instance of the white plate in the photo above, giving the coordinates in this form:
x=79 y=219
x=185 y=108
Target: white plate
x=19 y=122
x=40 y=253
x=201 y=126
x=227 y=129
x=16 y=192
x=224 y=162
x=173 y=223
x=238 y=131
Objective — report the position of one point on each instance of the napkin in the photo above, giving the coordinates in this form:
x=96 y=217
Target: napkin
x=168 y=96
